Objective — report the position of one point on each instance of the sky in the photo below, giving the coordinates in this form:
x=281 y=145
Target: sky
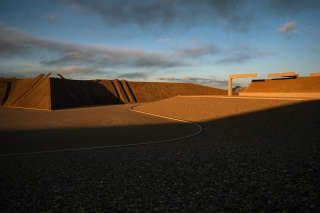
x=196 y=41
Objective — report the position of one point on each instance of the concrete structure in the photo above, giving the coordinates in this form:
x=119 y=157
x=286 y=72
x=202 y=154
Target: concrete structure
x=238 y=76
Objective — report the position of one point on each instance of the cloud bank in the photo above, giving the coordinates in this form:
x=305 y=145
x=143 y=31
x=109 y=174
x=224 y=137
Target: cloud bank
x=166 y=12
x=233 y=14
x=85 y=59
x=242 y=55
x=15 y=44
x=197 y=80
x=135 y=75
x=196 y=52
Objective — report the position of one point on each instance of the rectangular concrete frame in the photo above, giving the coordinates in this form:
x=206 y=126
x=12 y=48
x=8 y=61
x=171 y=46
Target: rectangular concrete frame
x=238 y=76
x=281 y=95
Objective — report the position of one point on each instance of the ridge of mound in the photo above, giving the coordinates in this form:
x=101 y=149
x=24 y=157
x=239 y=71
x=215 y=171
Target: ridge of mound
x=43 y=92
x=67 y=93
x=153 y=91
x=30 y=93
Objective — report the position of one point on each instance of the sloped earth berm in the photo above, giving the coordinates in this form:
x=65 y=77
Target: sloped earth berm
x=43 y=92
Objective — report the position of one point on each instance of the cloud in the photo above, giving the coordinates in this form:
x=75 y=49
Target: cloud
x=288 y=30
x=30 y=70
x=163 y=40
x=243 y=55
x=287 y=27
x=167 y=12
x=235 y=59
x=17 y=44
x=50 y=17
x=292 y=7
x=232 y=14
x=72 y=70
x=196 y=52
x=168 y=79
x=197 y=80
x=136 y=75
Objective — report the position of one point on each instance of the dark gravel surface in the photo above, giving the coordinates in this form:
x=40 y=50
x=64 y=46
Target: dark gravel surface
x=266 y=161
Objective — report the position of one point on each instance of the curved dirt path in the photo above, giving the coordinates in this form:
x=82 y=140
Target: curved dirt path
x=29 y=132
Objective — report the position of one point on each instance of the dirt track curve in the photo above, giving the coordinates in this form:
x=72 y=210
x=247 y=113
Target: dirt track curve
x=253 y=155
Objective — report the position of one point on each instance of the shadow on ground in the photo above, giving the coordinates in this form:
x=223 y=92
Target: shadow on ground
x=267 y=160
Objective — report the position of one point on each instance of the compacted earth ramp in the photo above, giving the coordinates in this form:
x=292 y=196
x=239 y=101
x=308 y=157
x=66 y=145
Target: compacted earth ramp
x=30 y=93
x=154 y=91
x=43 y=92
x=285 y=87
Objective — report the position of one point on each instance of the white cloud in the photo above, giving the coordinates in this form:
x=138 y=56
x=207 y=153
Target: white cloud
x=51 y=17
x=197 y=80
x=288 y=30
x=164 y=40
x=14 y=43
x=72 y=70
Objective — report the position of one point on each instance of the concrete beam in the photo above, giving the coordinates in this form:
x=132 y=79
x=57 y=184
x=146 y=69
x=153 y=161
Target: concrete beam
x=283 y=74
x=230 y=85
x=244 y=75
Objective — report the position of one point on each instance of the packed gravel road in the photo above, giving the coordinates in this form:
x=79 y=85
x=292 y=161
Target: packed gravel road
x=253 y=155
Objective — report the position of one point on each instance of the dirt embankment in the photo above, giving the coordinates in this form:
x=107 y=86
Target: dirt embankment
x=153 y=91
x=74 y=93
x=297 y=85
x=43 y=92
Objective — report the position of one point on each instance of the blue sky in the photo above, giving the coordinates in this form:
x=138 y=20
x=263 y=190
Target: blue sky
x=159 y=40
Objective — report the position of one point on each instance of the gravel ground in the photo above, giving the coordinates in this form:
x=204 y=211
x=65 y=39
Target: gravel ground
x=264 y=160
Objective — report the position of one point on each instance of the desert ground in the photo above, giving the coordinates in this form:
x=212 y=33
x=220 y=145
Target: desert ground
x=182 y=154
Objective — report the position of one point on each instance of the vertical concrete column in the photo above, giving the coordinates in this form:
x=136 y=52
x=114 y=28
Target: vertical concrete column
x=238 y=76
x=230 y=85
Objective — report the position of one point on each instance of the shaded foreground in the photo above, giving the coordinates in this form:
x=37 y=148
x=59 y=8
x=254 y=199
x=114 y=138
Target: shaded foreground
x=261 y=160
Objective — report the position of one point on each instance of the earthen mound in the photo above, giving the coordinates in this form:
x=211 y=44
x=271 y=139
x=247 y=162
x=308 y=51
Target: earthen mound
x=43 y=92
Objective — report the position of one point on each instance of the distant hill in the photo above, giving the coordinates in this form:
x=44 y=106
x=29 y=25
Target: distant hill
x=44 y=92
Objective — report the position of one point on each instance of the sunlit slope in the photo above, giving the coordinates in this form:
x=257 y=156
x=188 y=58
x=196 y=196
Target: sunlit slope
x=43 y=92
x=153 y=91
x=301 y=84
